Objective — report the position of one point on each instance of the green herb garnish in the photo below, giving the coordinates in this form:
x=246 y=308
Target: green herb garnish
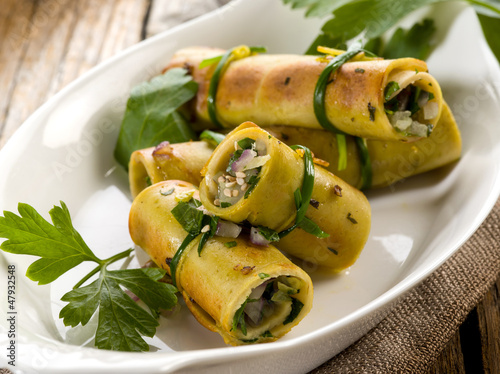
x=334 y=251
x=249 y=341
x=222 y=62
x=212 y=137
x=168 y=192
x=351 y=218
x=192 y=220
x=297 y=306
x=312 y=228
x=178 y=254
x=415 y=42
x=319 y=100
x=303 y=197
x=230 y=244
x=224 y=204
x=359 y=70
x=239 y=318
x=366 y=165
x=189 y=216
x=246 y=143
x=390 y=89
x=252 y=182
x=122 y=322
x=211 y=221
x=151 y=115
x=148 y=181
x=263 y=275
x=267 y=334
x=234 y=157
x=268 y=234
x=307 y=183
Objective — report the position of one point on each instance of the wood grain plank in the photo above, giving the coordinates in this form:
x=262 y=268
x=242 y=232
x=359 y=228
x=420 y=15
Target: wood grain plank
x=489 y=326
x=15 y=19
x=60 y=41
x=451 y=360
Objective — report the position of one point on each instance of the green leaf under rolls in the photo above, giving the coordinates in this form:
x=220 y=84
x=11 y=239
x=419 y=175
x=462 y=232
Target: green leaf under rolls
x=415 y=42
x=151 y=115
x=491 y=28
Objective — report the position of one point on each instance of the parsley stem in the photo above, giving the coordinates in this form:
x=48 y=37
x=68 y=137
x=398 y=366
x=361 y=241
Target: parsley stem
x=223 y=61
x=177 y=256
x=366 y=165
x=103 y=264
x=117 y=257
x=307 y=183
x=87 y=277
x=212 y=89
x=320 y=112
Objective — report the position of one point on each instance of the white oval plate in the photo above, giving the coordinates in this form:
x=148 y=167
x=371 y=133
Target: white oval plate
x=64 y=152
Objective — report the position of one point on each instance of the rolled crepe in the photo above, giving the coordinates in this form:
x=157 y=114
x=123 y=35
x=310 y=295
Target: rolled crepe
x=279 y=90
x=218 y=282
x=391 y=161
x=166 y=161
x=337 y=208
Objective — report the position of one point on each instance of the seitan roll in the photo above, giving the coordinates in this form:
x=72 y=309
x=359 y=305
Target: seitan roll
x=377 y=99
x=391 y=161
x=247 y=294
x=166 y=161
x=253 y=177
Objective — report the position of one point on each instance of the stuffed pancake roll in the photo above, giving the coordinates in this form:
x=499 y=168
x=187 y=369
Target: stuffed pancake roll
x=254 y=177
x=391 y=161
x=167 y=161
x=377 y=99
x=246 y=293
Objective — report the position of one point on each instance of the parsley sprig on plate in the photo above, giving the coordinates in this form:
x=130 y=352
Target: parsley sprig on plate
x=372 y=18
x=122 y=322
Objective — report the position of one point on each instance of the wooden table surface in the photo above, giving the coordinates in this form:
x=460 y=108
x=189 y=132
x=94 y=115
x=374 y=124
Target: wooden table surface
x=46 y=44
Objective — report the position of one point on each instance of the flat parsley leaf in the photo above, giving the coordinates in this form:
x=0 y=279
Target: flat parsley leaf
x=415 y=42
x=151 y=115
x=372 y=18
x=491 y=26
x=317 y=8
x=60 y=248
x=121 y=320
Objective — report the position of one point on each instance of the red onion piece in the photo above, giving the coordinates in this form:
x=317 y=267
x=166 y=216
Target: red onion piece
x=423 y=99
x=257 y=238
x=227 y=229
x=243 y=160
x=254 y=311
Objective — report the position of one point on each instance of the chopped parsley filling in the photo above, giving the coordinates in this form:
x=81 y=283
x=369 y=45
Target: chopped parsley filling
x=410 y=110
x=270 y=304
x=241 y=174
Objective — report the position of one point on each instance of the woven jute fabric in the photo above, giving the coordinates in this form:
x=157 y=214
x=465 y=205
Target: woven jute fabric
x=417 y=329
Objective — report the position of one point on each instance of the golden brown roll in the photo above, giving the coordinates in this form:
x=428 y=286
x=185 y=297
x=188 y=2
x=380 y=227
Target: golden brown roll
x=235 y=190
x=166 y=161
x=370 y=99
x=247 y=294
x=391 y=161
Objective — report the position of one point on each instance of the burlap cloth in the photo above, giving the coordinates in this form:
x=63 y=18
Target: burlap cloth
x=412 y=336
